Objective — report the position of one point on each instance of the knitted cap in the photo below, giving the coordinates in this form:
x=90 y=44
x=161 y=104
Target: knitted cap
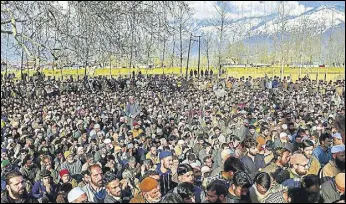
x=148 y=184
x=5 y=163
x=165 y=154
x=63 y=172
x=67 y=153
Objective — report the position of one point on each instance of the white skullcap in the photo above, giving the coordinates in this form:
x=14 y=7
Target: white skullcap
x=107 y=141
x=195 y=165
x=74 y=194
x=97 y=126
x=283 y=134
x=338 y=148
x=284 y=126
x=337 y=135
x=181 y=142
x=205 y=169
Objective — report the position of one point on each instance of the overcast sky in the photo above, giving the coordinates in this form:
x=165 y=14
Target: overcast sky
x=238 y=9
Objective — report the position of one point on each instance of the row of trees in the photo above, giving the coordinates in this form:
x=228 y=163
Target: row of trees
x=132 y=33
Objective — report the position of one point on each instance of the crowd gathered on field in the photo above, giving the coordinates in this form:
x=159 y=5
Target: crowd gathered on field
x=169 y=139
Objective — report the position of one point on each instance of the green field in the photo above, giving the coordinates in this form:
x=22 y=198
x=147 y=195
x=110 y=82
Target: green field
x=314 y=73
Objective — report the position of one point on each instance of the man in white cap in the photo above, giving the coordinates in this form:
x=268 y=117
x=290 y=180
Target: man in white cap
x=283 y=141
x=77 y=195
x=94 y=131
x=337 y=139
x=337 y=164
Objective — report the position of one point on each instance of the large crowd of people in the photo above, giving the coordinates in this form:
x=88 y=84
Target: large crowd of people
x=166 y=139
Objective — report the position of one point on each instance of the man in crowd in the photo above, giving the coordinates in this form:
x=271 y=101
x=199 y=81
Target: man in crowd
x=94 y=189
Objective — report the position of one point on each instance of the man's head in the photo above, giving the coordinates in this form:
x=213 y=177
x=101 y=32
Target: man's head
x=299 y=163
x=113 y=188
x=208 y=161
x=77 y=195
x=27 y=161
x=251 y=146
x=132 y=162
x=231 y=166
x=241 y=184
x=96 y=175
x=338 y=154
x=150 y=189
x=15 y=185
x=185 y=173
x=326 y=140
x=64 y=175
x=308 y=147
x=311 y=184
x=337 y=139
x=166 y=159
x=263 y=182
x=69 y=156
x=216 y=192
x=282 y=156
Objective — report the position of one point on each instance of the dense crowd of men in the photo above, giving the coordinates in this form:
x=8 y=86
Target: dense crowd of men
x=166 y=139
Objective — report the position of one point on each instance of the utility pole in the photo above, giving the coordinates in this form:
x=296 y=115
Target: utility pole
x=163 y=54
x=21 y=62
x=188 y=57
x=199 y=53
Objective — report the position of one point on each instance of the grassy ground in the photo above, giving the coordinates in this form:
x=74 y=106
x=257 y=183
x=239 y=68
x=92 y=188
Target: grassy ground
x=314 y=73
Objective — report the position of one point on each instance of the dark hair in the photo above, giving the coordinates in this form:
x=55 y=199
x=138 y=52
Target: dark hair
x=323 y=137
x=65 y=187
x=219 y=187
x=26 y=159
x=233 y=164
x=250 y=142
x=263 y=179
x=242 y=179
x=183 y=169
x=185 y=190
x=207 y=157
x=310 y=180
x=298 y=195
x=110 y=157
x=11 y=175
x=280 y=175
x=172 y=198
x=307 y=143
x=191 y=157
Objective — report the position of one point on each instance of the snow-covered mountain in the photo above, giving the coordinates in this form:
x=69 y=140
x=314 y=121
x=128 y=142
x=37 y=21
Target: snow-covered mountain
x=319 y=19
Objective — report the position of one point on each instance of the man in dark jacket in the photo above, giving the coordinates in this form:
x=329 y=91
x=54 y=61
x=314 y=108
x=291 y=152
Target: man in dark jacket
x=252 y=160
x=164 y=170
x=16 y=192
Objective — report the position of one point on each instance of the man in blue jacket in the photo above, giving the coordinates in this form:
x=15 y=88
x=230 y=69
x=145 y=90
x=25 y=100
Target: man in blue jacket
x=45 y=188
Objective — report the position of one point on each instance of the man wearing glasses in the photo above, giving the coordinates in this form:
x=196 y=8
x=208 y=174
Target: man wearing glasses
x=298 y=169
